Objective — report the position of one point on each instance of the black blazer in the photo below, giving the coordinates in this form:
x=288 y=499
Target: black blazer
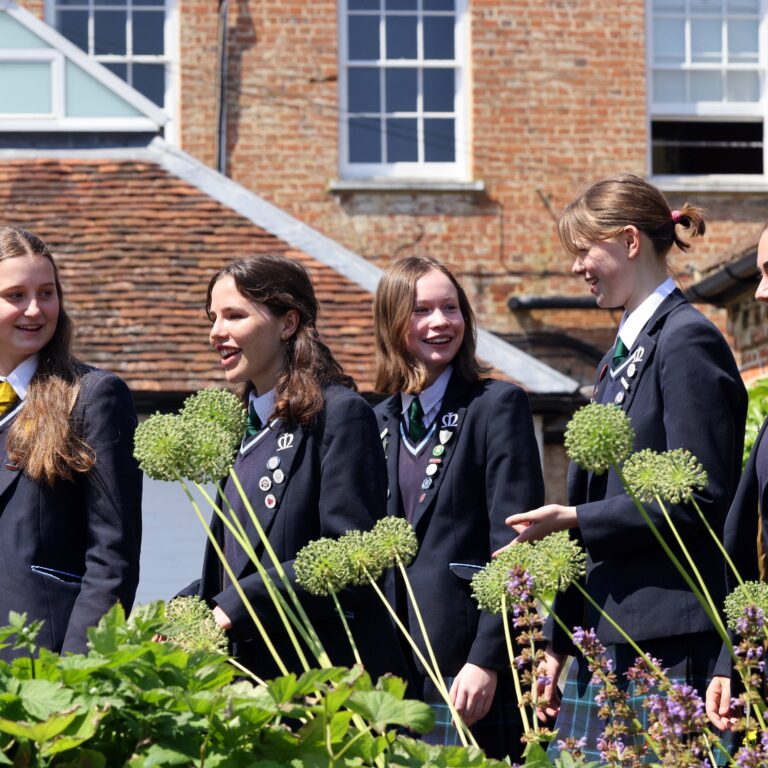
x=70 y=551
x=491 y=469
x=335 y=481
x=686 y=392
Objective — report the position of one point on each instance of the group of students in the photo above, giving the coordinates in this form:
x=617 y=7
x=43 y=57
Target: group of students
x=451 y=450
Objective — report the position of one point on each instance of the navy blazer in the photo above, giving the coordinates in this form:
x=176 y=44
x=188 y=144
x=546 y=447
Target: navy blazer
x=70 y=551
x=335 y=481
x=686 y=392
x=490 y=469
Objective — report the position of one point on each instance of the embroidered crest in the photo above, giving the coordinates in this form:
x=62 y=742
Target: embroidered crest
x=285 y=441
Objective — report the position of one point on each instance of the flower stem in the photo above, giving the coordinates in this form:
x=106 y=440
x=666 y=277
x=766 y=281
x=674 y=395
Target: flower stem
x=512 y=667
x=347 y=629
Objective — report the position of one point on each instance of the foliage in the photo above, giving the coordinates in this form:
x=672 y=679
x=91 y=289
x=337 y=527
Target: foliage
x=757 y=410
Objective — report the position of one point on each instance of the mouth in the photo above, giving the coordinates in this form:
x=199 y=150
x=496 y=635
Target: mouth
x=29 y=328
x=227 y=353
x=438 y=341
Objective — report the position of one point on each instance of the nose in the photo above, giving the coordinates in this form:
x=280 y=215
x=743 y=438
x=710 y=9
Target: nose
x=578 y=266
x=761 y=294
x=438 y=318
x=216 y=333
x=32 y=309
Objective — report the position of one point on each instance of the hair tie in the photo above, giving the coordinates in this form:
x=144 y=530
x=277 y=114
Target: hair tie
x=676 y=216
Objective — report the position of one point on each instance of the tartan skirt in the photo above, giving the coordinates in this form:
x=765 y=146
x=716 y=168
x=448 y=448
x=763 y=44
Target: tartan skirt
x=498 y=733
x=689 y=658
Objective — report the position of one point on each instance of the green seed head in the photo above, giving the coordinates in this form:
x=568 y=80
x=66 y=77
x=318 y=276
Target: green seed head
x=557 y=561
x=395 y=539
x=747 y=594
x=364 y=556
x=159 y=447
x=220 y=407
x=190 y=624
x=321 y=567
x=598 y=437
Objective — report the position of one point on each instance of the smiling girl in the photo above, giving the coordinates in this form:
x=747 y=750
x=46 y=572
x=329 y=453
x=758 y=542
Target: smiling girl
x=310 y=463
x=462 y=455
x=70 y=490
x=674 y=375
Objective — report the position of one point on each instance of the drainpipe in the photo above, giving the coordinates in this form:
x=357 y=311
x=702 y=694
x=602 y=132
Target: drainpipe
x=221 y=106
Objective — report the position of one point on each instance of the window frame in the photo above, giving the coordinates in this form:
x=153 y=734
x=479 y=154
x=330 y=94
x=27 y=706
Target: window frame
x=709 y=111
x=42 y=55
x=459 y=170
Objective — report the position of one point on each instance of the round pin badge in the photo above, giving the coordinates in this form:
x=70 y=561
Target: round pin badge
x=265 y=483
x=619 y=399
x=631 y=370
x=426 y=483
x=278 y=476
x=273 y=462
x=432 y=470
x=270 y=501
x=438 y=450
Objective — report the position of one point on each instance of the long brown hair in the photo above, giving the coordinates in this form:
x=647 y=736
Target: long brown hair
x=42 y=439
x=280 y=284
x=397 y=370
x=606 y=207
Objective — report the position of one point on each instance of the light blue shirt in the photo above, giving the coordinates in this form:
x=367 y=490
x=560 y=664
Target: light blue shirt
x=431 y=398
x=632 y=325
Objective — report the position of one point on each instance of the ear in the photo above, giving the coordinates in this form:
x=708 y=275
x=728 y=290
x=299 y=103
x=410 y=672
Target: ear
x=632 y=241
x=290 y=324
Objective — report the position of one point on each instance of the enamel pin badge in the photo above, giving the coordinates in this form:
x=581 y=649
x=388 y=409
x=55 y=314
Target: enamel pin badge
x=285 y=441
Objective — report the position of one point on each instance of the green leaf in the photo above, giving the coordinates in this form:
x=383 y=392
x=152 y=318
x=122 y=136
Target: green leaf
x=84 y=727
x=41 y=698
x=391 y=684
x=382 y=708
x=38 y=732
x=87 y=758
x=536 y=756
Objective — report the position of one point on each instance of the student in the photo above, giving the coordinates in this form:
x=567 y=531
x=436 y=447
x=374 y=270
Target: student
x=744 y=527
x=70 y=490
x=310 y=464
x=462 y=456
x=674 y=375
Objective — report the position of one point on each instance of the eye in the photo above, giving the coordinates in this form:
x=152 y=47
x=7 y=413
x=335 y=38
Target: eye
x=420 y=310
x=14 y=295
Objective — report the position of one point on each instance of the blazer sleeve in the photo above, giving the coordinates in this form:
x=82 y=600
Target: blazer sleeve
x=703 y=408
x=112 y=505
x=513 y=483
x=351 y=496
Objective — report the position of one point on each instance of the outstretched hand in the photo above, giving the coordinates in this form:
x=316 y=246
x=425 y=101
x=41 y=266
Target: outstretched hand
x=538 y=523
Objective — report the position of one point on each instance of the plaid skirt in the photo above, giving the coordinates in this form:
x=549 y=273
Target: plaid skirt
x=498 y=733
x=689 y=658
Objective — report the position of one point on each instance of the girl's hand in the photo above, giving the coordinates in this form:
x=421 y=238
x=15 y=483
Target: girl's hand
x=538 y=523
x=472 y=692
x=550 y=668
x=718 y=703
x=221 y=618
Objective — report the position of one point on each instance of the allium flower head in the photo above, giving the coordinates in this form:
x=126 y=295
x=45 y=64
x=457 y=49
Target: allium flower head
x=556 y=562
x=160 y=447
x=363 y=557
x=395 y=538
x=642 y=474
x=190 y=624
x=599 y=436
x=746 y=596
x=321 y=567
x=209 y=452
x=490 y=585
x=680 y=474
x=219 y=407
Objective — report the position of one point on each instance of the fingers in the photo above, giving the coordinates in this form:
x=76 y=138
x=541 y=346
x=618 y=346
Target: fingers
x=718 y=703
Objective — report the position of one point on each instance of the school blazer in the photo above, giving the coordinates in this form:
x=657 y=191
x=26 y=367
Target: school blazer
x=70 y=551
x=335 y=481
x=490 y=469
x=686 y=392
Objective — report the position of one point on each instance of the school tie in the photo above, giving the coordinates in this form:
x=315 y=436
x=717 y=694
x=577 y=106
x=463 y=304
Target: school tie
x=416 y=428
x=8 y=397
x=254 y=422
x=620 y=353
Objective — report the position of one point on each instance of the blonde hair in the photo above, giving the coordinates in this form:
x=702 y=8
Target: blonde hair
x=610 y=205
x=397 y=370
x=42 y=440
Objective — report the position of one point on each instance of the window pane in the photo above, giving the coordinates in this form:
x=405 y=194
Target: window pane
x=669 y=41
x=743 y=86
x=400 y=5
x=668 y=87
x=402 y=146
x=74 y=26
x=402 y=89
x=742 y=40
x=139 y=3
x=438 y=37
x=109 y=2
x=438 y=5
x=26 y=88
x=363 y=92
x=64 y=3
x=439 y=141
x=438 y=90
x=363 y=37
x=706 y=40
x=121 y=70
x=706 y=86
x=363 y=5
x=401 y=37
x=669 y=6
x=150 y=80
x=743 y=6
x=109 y=32
x=365 y=140
x=148 y=32
x=706 y=6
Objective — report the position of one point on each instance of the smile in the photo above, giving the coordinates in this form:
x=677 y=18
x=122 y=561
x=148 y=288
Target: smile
x=439 y=340
x=227 y=352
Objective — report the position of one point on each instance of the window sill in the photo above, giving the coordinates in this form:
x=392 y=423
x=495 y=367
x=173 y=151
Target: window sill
x=351 y=186
x=713 y=183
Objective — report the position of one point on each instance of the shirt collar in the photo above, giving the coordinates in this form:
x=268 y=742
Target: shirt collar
x=430 y=398
x=264 y=405
x=21 y=375
x=633 y=324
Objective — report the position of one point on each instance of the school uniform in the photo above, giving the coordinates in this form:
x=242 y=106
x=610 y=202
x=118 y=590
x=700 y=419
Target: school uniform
x=70 y=551
x=304 y=483
x=681 y=389
x=477 y=464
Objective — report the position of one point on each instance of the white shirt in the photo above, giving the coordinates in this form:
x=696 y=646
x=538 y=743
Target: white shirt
x=632 y=324
x=21 y=375
x=264 y=404
x=431 y=398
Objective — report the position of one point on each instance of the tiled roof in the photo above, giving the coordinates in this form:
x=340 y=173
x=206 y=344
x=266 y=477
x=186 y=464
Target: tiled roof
x=136 y=247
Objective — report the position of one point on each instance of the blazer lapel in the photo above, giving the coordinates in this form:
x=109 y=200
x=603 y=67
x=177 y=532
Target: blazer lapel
x=390 y=442
x=8 y=472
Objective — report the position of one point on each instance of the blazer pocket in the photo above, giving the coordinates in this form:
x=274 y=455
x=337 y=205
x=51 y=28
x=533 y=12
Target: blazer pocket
x=465 y=571
x=53 y=573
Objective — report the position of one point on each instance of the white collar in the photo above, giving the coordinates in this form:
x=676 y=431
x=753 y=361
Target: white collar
x=632 y=324
x=264 y=405
x=21 y=375
x=430 y=398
